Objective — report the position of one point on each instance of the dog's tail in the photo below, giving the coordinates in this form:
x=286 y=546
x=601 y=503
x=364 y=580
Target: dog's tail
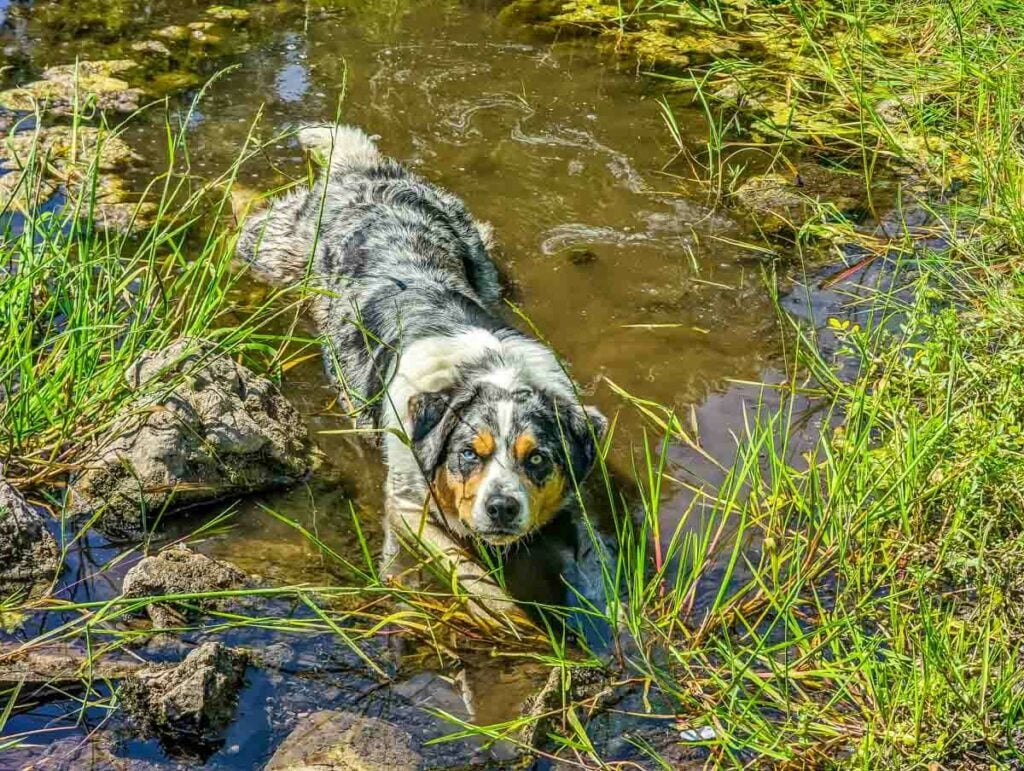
x=278 y=240
x=340 y=148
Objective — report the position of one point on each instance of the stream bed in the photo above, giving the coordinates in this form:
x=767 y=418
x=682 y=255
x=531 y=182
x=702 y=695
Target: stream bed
x=607 y=246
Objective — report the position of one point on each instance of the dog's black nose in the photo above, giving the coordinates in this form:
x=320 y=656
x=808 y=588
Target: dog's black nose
x=502 y=509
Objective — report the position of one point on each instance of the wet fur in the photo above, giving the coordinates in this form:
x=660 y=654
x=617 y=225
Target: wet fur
x=407 y=300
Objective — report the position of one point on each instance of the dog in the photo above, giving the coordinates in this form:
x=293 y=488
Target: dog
x=483 y=433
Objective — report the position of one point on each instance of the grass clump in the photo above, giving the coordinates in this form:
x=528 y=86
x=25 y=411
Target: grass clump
x=81 y=302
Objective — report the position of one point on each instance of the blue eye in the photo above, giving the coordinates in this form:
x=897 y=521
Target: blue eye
x=468 y=455
x=536 y=460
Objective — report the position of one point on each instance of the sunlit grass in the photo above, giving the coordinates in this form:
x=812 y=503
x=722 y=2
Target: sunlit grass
x=80 y=303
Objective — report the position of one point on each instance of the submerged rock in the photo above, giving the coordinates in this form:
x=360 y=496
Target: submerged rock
x=123 y=216
x=59 y=86
x=187 y=706
x=179 y=570
x=97 y=751
x=65 y=149
x=343 y=741
x=203 y=428
x=62 y=665
x=28 y=551
x=173 y=81
x=205 y=38
x=23 y=191
x=781 y=202
x=154 y=47
x=63 y=157
x=774 y=199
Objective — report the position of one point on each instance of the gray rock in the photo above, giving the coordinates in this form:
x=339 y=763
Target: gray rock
x=179 y=570
x=187 y=706
x=342 y=741
x=203 y=428
x=28 y=551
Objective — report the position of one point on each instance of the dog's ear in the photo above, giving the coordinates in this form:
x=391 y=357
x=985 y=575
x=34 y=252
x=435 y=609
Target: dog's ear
x=584 y=428
x=432 y=416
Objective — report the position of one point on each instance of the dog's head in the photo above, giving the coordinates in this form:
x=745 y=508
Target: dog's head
x=503 y=462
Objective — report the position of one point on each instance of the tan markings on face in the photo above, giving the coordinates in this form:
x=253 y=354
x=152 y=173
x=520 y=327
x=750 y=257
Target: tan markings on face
x=524 y=445
x=483 y=444
x=455 y=493
x=545 y=499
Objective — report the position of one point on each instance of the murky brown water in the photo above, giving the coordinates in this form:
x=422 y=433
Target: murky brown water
x=607 y=248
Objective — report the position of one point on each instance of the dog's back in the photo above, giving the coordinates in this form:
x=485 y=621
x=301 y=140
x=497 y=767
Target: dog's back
x=388 y=253
x=367 y=204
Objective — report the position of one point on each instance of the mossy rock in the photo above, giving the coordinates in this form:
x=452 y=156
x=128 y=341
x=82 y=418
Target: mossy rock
x=62 y=146
x=786 y=202
x=102 y=68
x=205 y=38
x=60 y=85
x=174 y=32
x=66 y=157
x=227 y=13
x=169 y=82
x=151 y=47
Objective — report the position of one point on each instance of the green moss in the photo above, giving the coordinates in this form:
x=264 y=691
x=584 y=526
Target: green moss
x=588 y=12
x=227 y=13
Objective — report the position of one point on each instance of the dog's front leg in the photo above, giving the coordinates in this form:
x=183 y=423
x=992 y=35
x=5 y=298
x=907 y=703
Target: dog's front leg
x=411 y=527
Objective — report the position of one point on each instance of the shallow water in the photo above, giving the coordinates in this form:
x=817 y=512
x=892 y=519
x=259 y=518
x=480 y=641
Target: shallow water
x=607 y=248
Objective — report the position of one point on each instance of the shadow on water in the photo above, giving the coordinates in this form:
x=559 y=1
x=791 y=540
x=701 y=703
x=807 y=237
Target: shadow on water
x=628 y=273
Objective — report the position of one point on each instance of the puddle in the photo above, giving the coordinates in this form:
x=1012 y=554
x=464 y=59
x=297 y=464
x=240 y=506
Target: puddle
x=628 y=273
